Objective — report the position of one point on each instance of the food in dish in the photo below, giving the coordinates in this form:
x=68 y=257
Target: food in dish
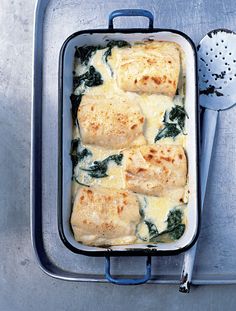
x=152 y=68
x=104 y=216
x=114 y=122
x=159 y=170
x=129 y=137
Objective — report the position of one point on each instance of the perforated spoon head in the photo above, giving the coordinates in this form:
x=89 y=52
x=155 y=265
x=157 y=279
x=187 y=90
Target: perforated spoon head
x=217 y=69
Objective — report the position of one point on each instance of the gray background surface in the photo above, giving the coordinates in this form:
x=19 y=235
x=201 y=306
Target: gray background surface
x=23 y=286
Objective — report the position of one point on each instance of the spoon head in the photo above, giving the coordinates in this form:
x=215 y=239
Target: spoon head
x=217 y=69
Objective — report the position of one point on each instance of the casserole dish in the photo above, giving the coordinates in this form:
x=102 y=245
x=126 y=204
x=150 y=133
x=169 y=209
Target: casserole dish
x=66 y=65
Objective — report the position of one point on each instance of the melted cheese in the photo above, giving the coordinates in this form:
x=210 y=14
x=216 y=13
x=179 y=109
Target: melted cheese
x=153 y=108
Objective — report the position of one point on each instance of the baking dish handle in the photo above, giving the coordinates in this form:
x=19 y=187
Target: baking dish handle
x=142 y=280
x=130 y=12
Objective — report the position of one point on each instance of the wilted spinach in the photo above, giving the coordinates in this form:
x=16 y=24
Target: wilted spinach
x=85 y=52
x=174 y=218
x=79 y=182
x=90 y=78
x=153 y=232
x=176 y=233
x=111 y=44
x=173 y=129
x=175 y=228
x=169 y=130
x=165 y=117
x=99 y=168
x=178 y=114
x=75 y=102
x=78 y=152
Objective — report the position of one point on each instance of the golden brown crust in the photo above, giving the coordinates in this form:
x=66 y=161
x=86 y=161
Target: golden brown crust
x=111 y=122
x=105 y=216
x=152 y=68
x=159 y=170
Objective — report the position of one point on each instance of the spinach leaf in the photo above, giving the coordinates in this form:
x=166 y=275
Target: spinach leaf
x=175 y=229
x=169 y=130
x=75 y=102
x=165 y=117
x=79 y=182
x=85 y=52
x=89 y=78
x=174 y=218
x=174 y=224
x=99 y=168
x=118 y=43
x=117 y=158
x=111 y=44
x=153 y=232
x=77 y=152
x=176 y=233
x=178 y=114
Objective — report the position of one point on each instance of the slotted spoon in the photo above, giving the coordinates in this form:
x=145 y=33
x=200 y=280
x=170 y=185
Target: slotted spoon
x=217 y=90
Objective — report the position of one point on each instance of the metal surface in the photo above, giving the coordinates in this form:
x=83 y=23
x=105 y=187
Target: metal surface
x=23 y=286
x=217 y=67
x=212 y=266
x=217 y=58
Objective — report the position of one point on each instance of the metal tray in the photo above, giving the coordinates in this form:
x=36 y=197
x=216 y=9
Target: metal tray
x=215 y=263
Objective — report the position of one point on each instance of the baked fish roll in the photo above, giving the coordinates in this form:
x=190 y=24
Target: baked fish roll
x=113 y=122
x=105 y=216
x=152 y=68
x=158 y=170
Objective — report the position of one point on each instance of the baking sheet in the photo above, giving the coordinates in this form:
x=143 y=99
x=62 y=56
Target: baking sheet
x=215 y=263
